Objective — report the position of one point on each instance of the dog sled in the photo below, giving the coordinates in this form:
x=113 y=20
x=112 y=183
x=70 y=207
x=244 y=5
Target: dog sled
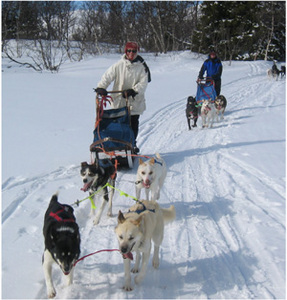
x=113 y=136
x=205 y=90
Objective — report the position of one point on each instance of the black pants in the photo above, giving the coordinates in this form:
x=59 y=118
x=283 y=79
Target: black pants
x=135 y=125
x=217 y=87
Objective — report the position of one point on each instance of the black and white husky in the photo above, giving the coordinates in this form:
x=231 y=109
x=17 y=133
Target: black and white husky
x=220 y=104
x=62 y=242
x=95 y=177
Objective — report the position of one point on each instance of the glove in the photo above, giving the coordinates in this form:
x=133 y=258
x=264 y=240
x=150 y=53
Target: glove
x=128 y=93
x=101 y=91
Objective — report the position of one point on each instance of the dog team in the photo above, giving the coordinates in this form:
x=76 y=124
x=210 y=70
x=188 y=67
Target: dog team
x=144 y=223
x=209 y=111
x=136 y=229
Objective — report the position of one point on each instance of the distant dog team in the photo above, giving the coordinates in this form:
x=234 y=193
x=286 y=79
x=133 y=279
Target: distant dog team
x=207 y=109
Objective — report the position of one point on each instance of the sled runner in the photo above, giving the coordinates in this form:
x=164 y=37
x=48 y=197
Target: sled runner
x=205 y=90
x=113 y=136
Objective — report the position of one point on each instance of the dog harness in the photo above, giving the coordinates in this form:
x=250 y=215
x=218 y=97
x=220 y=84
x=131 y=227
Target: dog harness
x=62 y=214
x=206 y=110
x=158 y=162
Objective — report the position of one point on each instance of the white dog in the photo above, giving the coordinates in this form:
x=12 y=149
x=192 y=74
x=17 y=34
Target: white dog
x=135 y=230
x=207 y=113
x=151 y=175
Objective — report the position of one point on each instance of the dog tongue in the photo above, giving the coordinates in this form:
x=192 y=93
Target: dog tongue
x=128 y=255
x=86 y=187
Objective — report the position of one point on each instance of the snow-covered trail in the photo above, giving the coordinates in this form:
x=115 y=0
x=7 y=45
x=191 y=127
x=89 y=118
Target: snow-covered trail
x=226 y=241
x=222 y=201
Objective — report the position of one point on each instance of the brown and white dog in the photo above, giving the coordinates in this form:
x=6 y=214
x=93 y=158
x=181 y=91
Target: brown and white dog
x=220 y=104
x=136 y=230
x=150 y=176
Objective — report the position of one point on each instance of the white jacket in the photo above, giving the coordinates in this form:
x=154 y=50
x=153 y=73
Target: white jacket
x=127 y=75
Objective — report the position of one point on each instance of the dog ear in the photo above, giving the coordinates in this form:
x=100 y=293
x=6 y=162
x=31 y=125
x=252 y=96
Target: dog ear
x=137 y=221
x=121 y=218
x=151 y=162
x=140 y=161
x=84 y=164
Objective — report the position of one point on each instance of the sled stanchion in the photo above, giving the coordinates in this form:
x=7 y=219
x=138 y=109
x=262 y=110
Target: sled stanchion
x=113 y=132
x=205 y=90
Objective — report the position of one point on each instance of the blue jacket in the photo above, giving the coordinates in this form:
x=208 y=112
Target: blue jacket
x=213 y=68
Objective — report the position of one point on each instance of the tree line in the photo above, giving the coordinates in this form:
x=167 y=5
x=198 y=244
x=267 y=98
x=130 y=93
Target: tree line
x=52 y=31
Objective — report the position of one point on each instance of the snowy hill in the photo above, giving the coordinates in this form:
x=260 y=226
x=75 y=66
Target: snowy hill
x=227 y=183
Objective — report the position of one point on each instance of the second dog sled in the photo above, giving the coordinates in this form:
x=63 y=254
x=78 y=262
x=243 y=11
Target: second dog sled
x=113 y=136
x=205 y=90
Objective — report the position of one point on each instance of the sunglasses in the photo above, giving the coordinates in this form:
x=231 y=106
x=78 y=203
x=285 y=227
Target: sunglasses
x=130 y=50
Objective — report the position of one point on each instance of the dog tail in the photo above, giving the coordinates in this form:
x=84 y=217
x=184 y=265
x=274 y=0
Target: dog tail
x=168 y=214
x=158 y=155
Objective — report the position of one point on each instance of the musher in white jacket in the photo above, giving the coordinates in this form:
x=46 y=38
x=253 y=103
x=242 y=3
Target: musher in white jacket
x=131 y=76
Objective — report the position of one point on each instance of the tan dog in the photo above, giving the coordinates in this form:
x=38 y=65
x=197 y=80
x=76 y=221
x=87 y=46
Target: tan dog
x=150 y=176
x=135 y=230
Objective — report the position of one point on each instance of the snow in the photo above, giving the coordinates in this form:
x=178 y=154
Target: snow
x=226 y=183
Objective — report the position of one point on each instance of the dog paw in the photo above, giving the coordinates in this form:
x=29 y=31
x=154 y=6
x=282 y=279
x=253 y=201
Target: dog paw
x=155 y=263
x=134 y=270
x=96 y=221
x=127 y=288
x=109 y=214
x=51 y=294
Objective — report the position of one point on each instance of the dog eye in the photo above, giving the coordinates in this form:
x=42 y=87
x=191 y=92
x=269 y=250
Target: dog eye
x=150 y=173
x=131 y=238
x=91 y=174
x=143 y=173
x=120 y=237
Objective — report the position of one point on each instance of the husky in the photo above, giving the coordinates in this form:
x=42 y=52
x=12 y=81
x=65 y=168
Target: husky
x=62 y=242
x=143 y=223
x=95 y=177
x=150 y=176
x=207 y=113
x=220 y=104
x=283 y=71
x=191 y=111
x=273 y=73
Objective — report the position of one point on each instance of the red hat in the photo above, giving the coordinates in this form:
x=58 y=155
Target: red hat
x=132 y=45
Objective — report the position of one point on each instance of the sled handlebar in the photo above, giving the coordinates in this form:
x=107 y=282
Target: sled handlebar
x=207 y=80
